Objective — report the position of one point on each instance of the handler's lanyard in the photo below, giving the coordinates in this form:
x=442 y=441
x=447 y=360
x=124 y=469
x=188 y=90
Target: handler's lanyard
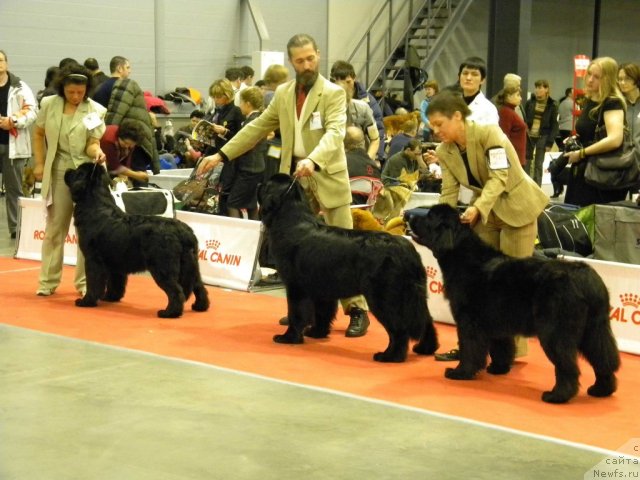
x=472 y=180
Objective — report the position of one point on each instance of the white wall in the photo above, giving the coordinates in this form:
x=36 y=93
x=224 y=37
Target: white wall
x=178 y=43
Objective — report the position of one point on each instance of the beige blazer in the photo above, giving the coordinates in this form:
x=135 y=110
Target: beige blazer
x=509 y=192
x=50 y=118
x=324 y=145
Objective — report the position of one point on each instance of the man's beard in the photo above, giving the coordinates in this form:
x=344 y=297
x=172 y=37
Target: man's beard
x=307 y=78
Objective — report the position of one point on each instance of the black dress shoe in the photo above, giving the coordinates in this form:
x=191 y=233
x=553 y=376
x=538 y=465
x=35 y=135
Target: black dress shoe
x=272 y=279
x=450 y=356
x=358 y=324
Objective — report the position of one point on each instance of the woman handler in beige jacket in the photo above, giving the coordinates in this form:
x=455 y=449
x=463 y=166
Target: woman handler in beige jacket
x=506 y=202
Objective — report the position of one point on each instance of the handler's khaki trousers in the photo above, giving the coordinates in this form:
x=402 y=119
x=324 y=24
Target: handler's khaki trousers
x=339 y=217
x=57 y=227
x=514 y=241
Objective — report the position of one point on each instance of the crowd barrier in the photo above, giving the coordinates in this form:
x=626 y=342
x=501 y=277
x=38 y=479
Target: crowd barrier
x=228 y=247
x=228 y=250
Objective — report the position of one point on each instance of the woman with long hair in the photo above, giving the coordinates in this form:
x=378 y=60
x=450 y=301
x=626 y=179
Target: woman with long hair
x=604 y=106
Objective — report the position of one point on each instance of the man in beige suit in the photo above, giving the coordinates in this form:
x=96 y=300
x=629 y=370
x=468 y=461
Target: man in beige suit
x=310 y=112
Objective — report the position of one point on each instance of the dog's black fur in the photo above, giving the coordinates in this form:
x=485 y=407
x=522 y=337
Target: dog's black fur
x=494 y=297
x=320 y=264
x=115 y=244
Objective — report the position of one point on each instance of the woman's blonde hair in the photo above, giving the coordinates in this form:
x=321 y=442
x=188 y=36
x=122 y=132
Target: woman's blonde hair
x=221 y=88
x=608 y=83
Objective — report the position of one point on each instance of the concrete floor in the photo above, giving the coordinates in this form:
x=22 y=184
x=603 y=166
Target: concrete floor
x=71 y=409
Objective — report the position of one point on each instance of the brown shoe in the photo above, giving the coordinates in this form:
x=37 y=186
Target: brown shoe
x=284 y=321
x=358 y=324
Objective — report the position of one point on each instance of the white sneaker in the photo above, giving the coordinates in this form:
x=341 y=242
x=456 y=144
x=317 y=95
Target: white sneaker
x=45 y=292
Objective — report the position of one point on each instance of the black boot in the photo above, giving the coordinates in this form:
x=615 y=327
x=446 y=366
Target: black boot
x=358 y=324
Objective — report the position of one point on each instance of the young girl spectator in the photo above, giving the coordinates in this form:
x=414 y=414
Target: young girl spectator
x=248 y=169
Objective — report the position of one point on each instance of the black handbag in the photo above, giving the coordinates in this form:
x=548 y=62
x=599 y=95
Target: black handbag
x=617 y=169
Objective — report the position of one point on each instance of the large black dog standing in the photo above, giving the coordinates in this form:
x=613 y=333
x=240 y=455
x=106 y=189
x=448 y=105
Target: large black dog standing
x=320 y=264
x=494 y=297
x=115 y=244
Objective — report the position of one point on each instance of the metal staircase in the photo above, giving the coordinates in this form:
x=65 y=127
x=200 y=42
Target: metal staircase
x=405 y=33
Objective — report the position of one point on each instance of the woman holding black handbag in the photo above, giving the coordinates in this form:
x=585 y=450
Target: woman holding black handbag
x=605 y=107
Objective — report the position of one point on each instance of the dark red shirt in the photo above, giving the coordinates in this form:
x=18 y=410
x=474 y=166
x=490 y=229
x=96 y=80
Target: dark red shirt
x=515 y=129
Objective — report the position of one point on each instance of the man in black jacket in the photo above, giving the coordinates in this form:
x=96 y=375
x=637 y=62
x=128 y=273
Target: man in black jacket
x=541 y=113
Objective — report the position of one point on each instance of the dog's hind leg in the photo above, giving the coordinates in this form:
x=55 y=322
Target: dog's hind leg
x=563 y=354
x=116 y=286
x=599 y=348
x=202 y=298
x=300 y=313
x=428 y=343
x=502 y=352
x=166 y=278
x=396 y=351
x=325 y=313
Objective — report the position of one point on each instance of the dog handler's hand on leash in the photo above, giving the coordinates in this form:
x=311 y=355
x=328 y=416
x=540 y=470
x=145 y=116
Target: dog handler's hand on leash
x=100 y=157
x=304 y=168
x=470 y=216
x=207 y=163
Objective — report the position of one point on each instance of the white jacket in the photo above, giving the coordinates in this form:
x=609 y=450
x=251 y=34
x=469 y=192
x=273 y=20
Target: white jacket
x=23 y=105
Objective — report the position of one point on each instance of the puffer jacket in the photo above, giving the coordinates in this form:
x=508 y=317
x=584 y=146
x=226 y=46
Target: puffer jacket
x=127 y=102
x=21 y=103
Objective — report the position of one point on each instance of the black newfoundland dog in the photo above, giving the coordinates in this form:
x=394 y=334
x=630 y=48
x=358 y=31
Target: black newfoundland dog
x=494 y=297
x=115 y=244
x=320 y=264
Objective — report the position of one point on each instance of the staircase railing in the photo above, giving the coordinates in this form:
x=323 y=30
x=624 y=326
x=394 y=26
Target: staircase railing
x=392 y=27
x=385 y=34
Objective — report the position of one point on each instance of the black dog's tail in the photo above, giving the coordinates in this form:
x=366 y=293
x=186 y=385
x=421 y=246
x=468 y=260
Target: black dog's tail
x=421 y=325
x=598 y=345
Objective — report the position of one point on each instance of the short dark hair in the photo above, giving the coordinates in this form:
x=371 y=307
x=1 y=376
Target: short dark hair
x=131 y=130
x=447 y=103
x=341 y=70
x=196 y=114
x=413 y=144
x=67 y=61
x=247 y=71
x=116 y=62
x=541 y=83
x=51 y=74
x=631 y=70
x=474 y=63
x=300 y=40
x=92 y=64
x=232 y=74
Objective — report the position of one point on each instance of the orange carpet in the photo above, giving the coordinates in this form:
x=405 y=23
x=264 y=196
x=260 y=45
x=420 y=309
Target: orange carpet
x=236 y=333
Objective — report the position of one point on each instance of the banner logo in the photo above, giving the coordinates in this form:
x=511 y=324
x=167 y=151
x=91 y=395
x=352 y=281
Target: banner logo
x=629 y=312
x=212 y=254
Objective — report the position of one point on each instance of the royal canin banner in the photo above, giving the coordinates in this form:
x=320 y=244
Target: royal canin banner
x=622 y=281
x=227 y=247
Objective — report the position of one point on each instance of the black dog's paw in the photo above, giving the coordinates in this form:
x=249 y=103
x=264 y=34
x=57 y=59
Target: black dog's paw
x=111 y=297
x=554 y=397
x=85 y=302
x=425 y=348
x=315 y=332
x=385 y=357
x=605 y=385
x=169 y=313
x=497 y=369
x=289 y=337
x=458 y=374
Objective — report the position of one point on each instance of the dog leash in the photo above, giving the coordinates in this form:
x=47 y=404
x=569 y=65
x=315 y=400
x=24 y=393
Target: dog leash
x=295 y=179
